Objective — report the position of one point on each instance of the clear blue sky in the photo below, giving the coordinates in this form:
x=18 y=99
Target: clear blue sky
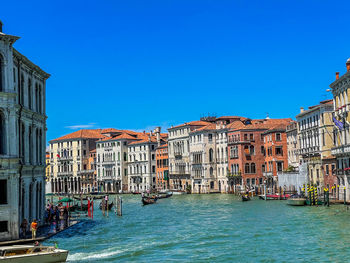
x=138 y=64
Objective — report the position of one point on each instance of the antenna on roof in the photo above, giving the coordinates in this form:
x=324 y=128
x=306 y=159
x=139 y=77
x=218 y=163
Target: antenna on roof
x=267 y=116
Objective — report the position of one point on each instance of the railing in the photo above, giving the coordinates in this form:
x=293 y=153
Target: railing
x=65 y=158
x=86 y=171
x=267 y=174
x=340 y=150
x=65 y=174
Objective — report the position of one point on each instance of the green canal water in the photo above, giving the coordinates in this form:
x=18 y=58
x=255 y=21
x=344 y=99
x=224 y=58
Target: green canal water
x=211 y=228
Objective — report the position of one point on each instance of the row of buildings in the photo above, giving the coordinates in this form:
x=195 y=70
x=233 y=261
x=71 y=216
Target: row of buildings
x=205 y=156
x=214 y=154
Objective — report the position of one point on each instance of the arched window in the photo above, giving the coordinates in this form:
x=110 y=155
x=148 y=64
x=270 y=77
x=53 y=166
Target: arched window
x=2 y=88
x=2 y=133
x=210 y=155
x=252 y=168
x=247 y=168
x=29 y=93
x=251 y=149
x=20 y=91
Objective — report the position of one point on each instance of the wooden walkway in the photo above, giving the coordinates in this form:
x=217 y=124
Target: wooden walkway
x=39 y=239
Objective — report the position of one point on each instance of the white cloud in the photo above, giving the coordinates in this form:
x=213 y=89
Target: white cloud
x=81 y=126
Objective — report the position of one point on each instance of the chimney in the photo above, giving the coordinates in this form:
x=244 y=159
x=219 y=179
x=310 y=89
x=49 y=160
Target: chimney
x=336 y=75
x=301 y=109
x=1 y=24
x=157 y=132
x=348 y=64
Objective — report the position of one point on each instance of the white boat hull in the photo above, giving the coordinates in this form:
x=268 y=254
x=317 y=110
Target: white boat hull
x=41 y=257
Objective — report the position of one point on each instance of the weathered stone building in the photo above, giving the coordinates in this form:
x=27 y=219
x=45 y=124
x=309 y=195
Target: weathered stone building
x=22 y=138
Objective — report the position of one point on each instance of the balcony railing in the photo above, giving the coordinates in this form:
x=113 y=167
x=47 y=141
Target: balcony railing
x=65 y=174
x=91 y=171
x=267 y=174
x=340 y=150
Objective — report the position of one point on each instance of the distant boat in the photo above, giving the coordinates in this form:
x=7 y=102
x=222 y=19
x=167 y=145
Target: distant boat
x=178 y=192
x=296 y=201
x=32 y=254
x=164 y=195
x=148 y=200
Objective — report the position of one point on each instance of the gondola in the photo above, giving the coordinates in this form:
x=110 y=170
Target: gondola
x=148 y=200
x=109 y=206
x=245 y=198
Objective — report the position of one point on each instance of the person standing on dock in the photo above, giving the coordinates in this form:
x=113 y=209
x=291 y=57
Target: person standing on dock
x=23 y=227
x=34 y=227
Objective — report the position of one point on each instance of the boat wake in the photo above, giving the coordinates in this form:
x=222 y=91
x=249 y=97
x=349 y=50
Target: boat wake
x=94 y=255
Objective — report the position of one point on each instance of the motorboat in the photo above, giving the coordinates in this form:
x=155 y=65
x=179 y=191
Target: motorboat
x=32 y=254
x=297 y=201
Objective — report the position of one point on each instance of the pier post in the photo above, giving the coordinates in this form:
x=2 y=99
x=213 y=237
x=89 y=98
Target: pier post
x=265 y=191
x=119 y=206
x=344 y=195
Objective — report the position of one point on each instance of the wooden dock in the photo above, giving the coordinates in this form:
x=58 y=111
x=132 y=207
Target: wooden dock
x=39 y=239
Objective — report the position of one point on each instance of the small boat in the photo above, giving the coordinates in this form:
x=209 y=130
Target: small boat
x=278 y=197
x=109 y=206
x=296 y=201
x=178 y=192
x=136 y=193
x=32 y=254
x=148 y=200
x=164 y=195
x=245 y=198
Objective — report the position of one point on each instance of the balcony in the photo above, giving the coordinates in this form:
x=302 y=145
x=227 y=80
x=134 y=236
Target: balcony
x=341 y=150
x=60 y=174
x=268 y=174
x=81 y=172
x=65 y=159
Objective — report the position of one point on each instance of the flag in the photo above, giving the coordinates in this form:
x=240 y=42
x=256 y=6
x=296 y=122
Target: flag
x=337 y=123
x=58 y=156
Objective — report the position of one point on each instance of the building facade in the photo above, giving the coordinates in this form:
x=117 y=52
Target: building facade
x=142 y=165
x=315 y=139
x=341 y=148
x=70 y=161
x=22 y=139
x=293 y=145
x=162 y=169
x=179 y=154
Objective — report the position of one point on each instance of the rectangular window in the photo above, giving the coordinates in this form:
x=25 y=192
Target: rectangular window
x=3 y=192
x=279 y=166
x=278 y=137
x=327 y=169
x=4 y=226
x=279 y=151
x=153 y=168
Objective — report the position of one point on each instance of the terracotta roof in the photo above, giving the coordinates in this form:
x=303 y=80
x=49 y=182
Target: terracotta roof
x=146 y=140
x=192 y=123
x=264 y=124
x=82 y=134
x=209 y=127
x=231 y=117
x=123 y=136
x=110 y=130
x=93 y=151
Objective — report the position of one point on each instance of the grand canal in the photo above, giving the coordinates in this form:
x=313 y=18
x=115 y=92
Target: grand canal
x=211 y=228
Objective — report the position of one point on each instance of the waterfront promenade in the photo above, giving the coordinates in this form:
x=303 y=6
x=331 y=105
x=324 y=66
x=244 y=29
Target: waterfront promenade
x=210 y=228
